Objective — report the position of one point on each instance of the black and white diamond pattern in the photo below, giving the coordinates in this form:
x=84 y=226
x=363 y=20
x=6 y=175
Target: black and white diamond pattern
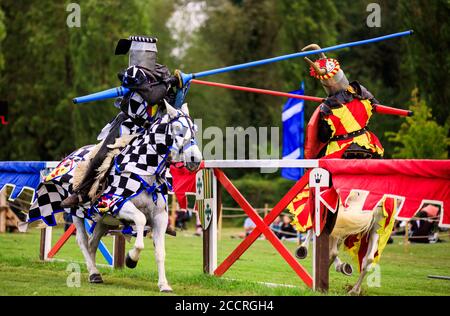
x=141 y=157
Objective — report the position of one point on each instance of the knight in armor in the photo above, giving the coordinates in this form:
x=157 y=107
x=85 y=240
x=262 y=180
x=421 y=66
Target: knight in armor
x=338 y=128
x=150 y=84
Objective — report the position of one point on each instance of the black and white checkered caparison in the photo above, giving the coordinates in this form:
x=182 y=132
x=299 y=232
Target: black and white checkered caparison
x=141 y=157
x=135 y=108
x=144 y=156
x=147 y=152
x=50 y=194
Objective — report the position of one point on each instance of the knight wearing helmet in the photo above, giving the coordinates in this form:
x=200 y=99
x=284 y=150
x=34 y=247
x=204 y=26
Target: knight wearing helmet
x=151 y=84
x=338 y=128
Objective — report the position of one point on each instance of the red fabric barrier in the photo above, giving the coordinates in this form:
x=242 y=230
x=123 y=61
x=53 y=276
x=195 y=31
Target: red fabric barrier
x=416 y=181
x=182 y=181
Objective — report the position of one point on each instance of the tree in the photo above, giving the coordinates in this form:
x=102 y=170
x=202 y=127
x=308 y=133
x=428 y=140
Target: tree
x=47 y=64
x=2 y=36
x=420 y=136
x=305 y=22
x=238 y=32
x=427 y=52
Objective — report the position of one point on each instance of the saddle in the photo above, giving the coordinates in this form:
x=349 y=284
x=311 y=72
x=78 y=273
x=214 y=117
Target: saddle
x=355 y=151
x=100 y=182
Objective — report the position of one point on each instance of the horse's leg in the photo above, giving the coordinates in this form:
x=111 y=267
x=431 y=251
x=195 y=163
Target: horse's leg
x=99 y=231
x=367 y=260
x=343 y=267
x=130 y=212
x=333 y=250
x=159 y=220
x=82 y=239
x=302 y=251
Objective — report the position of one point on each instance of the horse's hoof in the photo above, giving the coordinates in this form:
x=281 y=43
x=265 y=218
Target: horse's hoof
x=301 y=252
x=95 y=278
x=347 y=269
x=165 y=289
x=130 y=263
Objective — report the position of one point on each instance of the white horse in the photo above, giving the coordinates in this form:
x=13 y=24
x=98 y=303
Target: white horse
x=351 y=220
x=149 y=207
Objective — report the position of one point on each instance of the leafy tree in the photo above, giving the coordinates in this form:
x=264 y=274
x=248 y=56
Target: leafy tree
x=94 y=65
x=238 y=32
x=2 y=36
x=48 y=63
x=305 y=22
x=427 y=52
x=420 y=136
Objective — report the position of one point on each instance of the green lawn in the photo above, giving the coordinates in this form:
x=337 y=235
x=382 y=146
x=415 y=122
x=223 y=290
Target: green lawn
x=404 y=270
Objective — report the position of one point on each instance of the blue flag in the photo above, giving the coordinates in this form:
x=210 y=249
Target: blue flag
x=293 y=118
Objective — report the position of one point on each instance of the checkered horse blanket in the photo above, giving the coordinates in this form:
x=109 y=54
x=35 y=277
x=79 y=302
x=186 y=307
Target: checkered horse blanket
x=144 y=156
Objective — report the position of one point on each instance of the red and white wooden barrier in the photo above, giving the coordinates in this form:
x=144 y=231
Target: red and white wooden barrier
x=414 y=182
x=221 y=181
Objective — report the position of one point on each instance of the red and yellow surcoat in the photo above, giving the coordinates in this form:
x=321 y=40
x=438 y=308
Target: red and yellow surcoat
x=351 y=117
x=347 y=122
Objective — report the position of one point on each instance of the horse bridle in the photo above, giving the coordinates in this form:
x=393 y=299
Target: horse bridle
x=192 y=142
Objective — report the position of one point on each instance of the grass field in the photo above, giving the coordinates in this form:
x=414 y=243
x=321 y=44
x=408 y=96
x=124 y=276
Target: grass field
x=404 y=270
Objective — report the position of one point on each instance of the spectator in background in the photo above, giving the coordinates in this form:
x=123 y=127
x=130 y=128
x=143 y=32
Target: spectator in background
x=425 y=228
x=276 y=226
x=249 y=226
x=182 y=218
x=287 y=231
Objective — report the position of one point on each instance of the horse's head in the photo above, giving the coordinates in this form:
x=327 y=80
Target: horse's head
x=182 y=129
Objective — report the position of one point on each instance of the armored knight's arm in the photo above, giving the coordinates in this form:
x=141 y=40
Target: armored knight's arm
x=152 y=90
x=324 y=130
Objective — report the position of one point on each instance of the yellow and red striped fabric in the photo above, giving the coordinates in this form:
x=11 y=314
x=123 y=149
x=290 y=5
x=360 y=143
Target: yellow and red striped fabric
x=351 y=117
x=357 y=245
x=302 y=220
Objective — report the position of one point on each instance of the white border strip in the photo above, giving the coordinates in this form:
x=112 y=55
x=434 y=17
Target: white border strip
x=265 y=163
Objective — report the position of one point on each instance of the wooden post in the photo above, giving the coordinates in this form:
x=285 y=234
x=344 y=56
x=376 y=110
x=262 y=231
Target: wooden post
x=119 y=251
x=46 y=243
x=42 y=253
x=3 y=210
x=173 y=211
x=266 y=208
x=406 y=240
x=321 y=256
x=210 y=234
x=206 y=239
x=219 y=210
x=319 y=178
x=321 y=262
